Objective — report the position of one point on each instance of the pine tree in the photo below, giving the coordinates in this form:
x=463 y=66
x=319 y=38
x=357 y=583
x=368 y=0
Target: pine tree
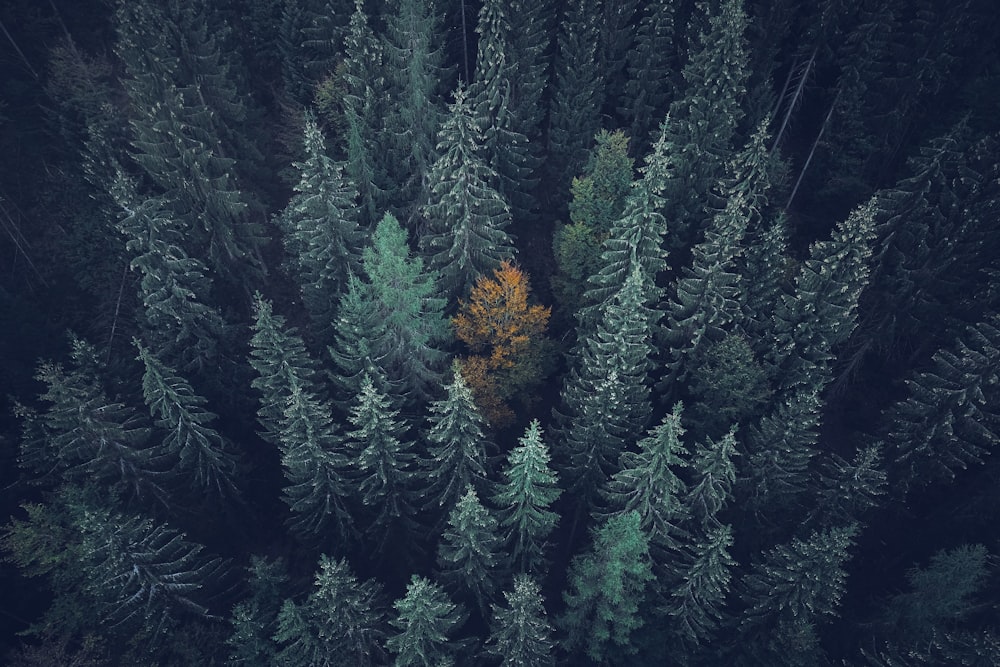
x=577 y=97
x=523 y=501
x=800 y=582
x=696 y=602
x=531 y=29
x=87 y=437
x=702 y=124
x=950 y=419
x=415 y=64
x=254 y=620
x=342 y=622
x=203 y=457
x=309 y=42
x=466 y=217
x=762 y=268
x=846 y=489
x=520 y=634
x=469 y=554
x=282 y=363
x=505 y=147
x=384 y=463
x=363 y=103
x=174 y=287
x=605 y=397
x=712 y=485
x=456 y=446
x=426 y=619
x=320 y=230
x=606 y=588
x=652 y=63
x=647 y=482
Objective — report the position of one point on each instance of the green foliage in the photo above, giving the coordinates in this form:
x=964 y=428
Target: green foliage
x=384 y=463
x=202 y=455
x=469 y=554
x=342 y=622
x=847 y=489
x=606 y=588
x=309 y=39
x=426 y=620
x=729 y=385
x=520 y=634
x=456 y=446
x=712 y=485
x=652 y=62
x=466 y=216
x=941 y=594
x=320 y=230
x=696 y=601
x=254 y=620
x=524 y=499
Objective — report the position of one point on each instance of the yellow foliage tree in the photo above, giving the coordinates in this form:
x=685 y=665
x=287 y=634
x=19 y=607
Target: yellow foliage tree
x=506 y=337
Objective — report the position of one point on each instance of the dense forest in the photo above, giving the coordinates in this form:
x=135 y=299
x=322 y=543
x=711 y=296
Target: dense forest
x=499 y=332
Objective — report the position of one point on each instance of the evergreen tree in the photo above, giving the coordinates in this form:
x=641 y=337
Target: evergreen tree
x=426 y=619
x=86 y=437
x=414 y=58
x=606 y=588
x=342 y=622
x=577 y=96
x=309 y=41
x=456 y=446
x=524 y=499
x=712 y=485
x=255 y=619
x=951 y=417
x=469 y=555
x=606 y=396
x=321 y=233
x=384 y=463
x=652 y=62
x=846 y=489
x=174 y=287
x=363 y=103
x=531 y=29
x=647 y=482
x=702 y=124
x=696 y=601
x=796 y=583
x=505 y=147
x=763 y=267
x=520 y=634
x=466 y=217
x=203 y=457
x=282 y=363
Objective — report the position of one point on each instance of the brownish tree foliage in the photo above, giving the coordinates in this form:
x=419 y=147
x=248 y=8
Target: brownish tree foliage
x=506 y=337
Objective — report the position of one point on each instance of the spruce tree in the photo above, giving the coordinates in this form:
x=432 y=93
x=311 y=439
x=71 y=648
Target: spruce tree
x=255 y=619
x=203 y=457
x=647 y=482
x=652 y=63
x=384 y=462
x=342 y=622
x=520 y=634
x=310 y=33
x=697 y=600
x=762 y=268
x=426 y=620
x=469 y=555
x=456 y=447
x=607 y=584
x=524 y=500
x=577 y=94
x=466 y=216
x=712 y=484
x=320 y=230
x=531 y=28
x=415 y=65
x=847 y=489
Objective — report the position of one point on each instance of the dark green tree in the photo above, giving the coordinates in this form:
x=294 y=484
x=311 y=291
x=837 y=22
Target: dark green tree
x=951 y=417
x=415 y=65
x=847 y=489
x=607 y=585
x=711 y=487
x=697 y=599
x=520 y=634
x=531 y=29
x=652 y=67
x=469 y=555
x=577 y=93
x=647 y=482
x=426 y=620
x=384 y=462
x=320 y=230
x=255 y=619
x=204 y=459
x=310 y=33
x=765 y=269
x=523 y=501
x=456 y=447
x=466 y=216
x=342 y=622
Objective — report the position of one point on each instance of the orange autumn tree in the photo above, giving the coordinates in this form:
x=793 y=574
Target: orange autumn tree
x=507 y=339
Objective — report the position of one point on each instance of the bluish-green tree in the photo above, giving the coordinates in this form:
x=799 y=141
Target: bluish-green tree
x=520 y=633
x=426 y=621
x=469 y=555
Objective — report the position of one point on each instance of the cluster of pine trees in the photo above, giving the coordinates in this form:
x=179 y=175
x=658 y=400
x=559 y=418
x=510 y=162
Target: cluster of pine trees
x=507 y=332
